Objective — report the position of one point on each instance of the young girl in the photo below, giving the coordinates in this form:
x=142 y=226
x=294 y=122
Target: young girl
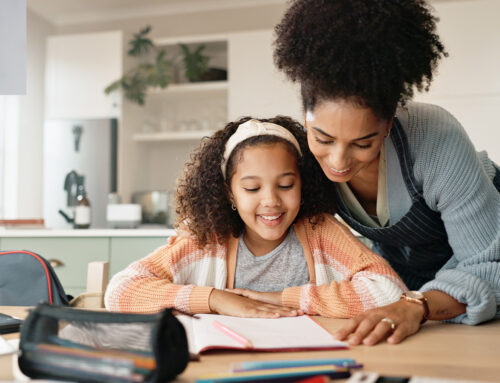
x=252 y=240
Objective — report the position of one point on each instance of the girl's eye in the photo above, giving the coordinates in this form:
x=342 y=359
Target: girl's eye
x=286 y=186
x=251 y=189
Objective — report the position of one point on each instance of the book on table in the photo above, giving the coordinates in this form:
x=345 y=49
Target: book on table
x=282 y=334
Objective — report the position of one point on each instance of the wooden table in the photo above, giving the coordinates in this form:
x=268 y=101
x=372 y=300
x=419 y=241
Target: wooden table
x=438 y=350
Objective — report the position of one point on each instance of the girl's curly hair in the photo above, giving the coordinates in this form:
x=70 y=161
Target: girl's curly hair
x=202 y=198
x=370 y=52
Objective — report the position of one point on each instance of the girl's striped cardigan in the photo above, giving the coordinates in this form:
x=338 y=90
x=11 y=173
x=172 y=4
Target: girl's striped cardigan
x=346 y=277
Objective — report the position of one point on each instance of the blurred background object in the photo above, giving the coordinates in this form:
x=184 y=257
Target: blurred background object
x=156 y=207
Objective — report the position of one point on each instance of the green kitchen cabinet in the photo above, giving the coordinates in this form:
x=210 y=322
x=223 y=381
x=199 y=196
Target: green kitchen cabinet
x=68 y=255
x=124 y=251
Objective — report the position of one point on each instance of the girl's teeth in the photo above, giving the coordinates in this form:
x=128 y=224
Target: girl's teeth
x=270 y=218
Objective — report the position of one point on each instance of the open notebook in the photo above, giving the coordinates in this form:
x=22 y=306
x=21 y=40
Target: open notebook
x=282 y=334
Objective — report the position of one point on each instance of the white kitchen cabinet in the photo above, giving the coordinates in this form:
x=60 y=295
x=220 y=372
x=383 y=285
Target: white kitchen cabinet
x=78 y=69
x=70 y=251
x=256 y=87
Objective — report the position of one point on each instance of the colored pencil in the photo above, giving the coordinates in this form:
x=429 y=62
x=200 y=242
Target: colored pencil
x=233 y=334
x=266 y=364
x=315 y=379
x=277 y=375
x=139 y=361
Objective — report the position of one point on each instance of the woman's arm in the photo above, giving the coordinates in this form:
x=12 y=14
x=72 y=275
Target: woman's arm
x=368 y=329
x=456 y=181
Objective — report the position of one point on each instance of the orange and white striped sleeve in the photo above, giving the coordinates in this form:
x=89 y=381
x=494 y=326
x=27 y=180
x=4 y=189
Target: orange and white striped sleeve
x=349 y=277
x=147 y=285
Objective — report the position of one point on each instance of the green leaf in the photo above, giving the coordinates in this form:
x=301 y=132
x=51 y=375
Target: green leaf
x=140 y=44
x=136 y=82
x=114 y=86
x=195 y=62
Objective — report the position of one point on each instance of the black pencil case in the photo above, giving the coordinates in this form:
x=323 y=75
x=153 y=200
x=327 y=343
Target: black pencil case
x=97 y=346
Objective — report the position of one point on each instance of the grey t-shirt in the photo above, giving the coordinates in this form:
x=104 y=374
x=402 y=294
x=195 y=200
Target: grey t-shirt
x=283 y=267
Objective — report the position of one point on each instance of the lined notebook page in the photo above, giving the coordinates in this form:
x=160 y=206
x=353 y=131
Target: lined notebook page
x=283 y=333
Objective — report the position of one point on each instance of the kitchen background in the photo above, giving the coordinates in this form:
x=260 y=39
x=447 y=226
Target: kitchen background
x=66 y=133
x=77 y=48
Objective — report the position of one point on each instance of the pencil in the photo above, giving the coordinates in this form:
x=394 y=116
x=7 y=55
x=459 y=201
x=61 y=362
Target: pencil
x=237 y=337
x=139 y=361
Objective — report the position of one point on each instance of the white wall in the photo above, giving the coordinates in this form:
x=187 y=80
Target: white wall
x=468 y=83
x=30 y=126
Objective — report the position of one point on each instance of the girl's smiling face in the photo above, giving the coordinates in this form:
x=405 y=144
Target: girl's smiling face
x=266 y=190
x=345 y=139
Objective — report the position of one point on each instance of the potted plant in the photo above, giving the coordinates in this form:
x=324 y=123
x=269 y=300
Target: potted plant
x=196 y=65
x=135 y=82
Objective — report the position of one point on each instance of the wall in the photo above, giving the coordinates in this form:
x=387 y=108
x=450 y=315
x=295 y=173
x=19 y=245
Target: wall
x=468 y=82
x=32 y=118
x=24 y=151
x=199 y=23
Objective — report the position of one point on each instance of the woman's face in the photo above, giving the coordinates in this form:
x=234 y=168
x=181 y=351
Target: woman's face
x=266 y=189
x=345 y=139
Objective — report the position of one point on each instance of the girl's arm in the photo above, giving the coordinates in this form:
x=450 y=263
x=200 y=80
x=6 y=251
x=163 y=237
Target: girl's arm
x=147 y=285
x=180 y=275
x=349 y=277
x=371 y=283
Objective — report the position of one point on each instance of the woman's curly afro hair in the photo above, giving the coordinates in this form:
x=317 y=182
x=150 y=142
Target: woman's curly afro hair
x=370 y=52
x=203 y=205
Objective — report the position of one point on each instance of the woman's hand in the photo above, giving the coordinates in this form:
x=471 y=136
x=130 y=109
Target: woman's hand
x=227 y=303
x=369 y=329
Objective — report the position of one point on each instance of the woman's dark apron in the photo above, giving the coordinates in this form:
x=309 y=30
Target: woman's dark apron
x=417 y=245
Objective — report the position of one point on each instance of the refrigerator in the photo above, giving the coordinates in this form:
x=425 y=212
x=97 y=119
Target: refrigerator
x=78 y=151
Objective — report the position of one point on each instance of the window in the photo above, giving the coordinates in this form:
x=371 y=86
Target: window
x=9 y=132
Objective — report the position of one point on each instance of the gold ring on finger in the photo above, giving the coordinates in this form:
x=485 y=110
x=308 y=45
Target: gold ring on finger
x=390 y=322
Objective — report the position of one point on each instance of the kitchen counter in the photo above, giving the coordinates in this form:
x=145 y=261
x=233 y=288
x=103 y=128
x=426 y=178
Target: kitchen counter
x=70 y=251
x=143 y=231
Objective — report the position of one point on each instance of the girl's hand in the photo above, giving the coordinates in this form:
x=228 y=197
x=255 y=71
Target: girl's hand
x=369 y=329
x=226 y=303
x=273 y=298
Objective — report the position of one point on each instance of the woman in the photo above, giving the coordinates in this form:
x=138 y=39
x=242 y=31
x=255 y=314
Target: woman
x=406 y=174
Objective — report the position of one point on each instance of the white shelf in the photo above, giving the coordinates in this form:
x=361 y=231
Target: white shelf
x=200 y=39
x=172 y=136
x=207 y=86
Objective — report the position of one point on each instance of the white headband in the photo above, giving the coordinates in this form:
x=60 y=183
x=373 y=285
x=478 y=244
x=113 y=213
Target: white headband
x=253 y=128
